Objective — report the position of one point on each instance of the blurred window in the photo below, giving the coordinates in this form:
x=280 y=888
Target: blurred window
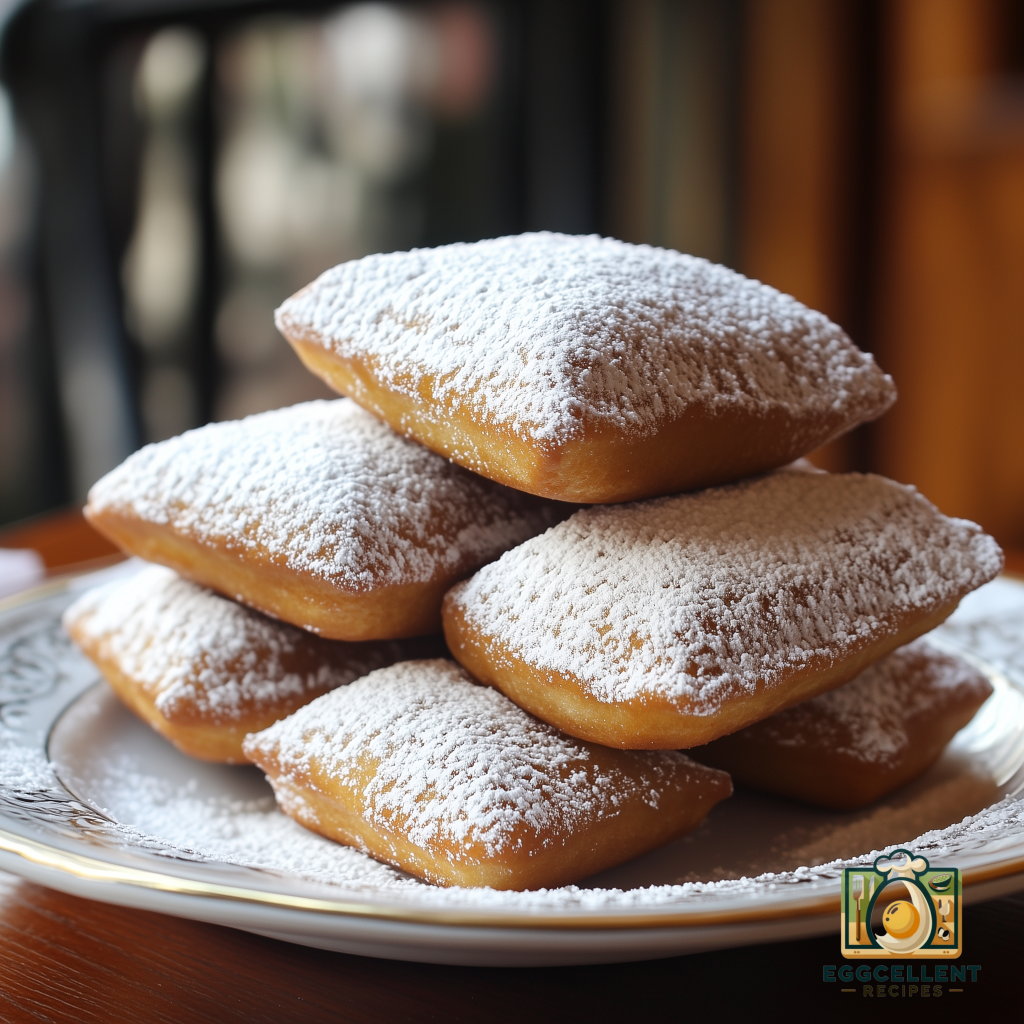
x=323 y=132
x=327 y=126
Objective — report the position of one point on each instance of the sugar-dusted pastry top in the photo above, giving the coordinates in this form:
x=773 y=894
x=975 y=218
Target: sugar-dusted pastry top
x=326 y=490
x=867 y=719
x=200 y=657
x=457 y=766
x=547 y=335
x=696 y=597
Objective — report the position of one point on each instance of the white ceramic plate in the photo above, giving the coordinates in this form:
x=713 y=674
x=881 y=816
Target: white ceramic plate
x=94 y=803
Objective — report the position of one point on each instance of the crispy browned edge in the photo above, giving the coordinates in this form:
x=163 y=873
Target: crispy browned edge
x=820 y=774
x=603 y=843
x=389 y=613
x=654 y=722
x=210 y=742
x=696 y=450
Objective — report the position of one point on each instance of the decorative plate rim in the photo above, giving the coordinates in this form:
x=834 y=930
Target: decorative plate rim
x=820 y=898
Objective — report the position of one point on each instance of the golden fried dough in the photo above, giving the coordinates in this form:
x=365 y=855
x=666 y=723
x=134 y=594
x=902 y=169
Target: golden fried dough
x=583 y=368
x=418 y=766
x=669 y=623
x=318 y=515
x=849 y=747
x=204 y=671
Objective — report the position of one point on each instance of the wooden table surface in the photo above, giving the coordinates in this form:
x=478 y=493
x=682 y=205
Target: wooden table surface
x=63 y=958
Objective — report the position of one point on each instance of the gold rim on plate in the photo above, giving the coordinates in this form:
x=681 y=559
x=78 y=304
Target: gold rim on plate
x=95 y=870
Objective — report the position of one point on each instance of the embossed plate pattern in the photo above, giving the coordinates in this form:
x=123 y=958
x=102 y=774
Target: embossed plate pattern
x=93 y=803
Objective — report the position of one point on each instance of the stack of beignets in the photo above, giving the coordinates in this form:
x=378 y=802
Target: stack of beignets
x=518 y=374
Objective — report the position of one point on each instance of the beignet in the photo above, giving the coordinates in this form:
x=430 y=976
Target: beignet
x=669 y=623
x=584 y=368
x=852 y=746
x=418 y=766
x=318 y=515
x=202 y=670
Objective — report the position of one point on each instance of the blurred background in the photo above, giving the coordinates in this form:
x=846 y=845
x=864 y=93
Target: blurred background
x=170 y=171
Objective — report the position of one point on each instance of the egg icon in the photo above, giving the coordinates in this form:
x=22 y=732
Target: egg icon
x=901 y=919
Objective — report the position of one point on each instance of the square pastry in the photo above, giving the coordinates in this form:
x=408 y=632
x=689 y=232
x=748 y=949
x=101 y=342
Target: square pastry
x=204 y=671
x=318 y=515
x=669 y=623
x=583 y=368
x=853 y=745
x=419 y=766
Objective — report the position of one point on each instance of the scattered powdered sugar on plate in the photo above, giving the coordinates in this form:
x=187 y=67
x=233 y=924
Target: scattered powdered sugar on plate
x=457 y=766
x=695 y=596
x=867 y=718
x=247 y=832
x=211 y=823
x=324 y=488
x=201 y=656
x=197 y=825
x=997 y=827
x=24 y=770
x=548 y=334
x=253 y=833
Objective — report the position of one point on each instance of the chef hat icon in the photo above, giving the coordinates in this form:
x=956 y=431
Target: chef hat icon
x=900 y=864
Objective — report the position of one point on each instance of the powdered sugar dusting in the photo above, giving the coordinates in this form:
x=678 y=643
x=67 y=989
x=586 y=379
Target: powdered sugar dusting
x=547 y=335
x=253 y=833
x=457 y=764
x=702 y=595
x=326 y=489
x=227 y=824
x=201 y=656
x=867 y=718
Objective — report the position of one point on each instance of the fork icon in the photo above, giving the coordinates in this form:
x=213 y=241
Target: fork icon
x=857 y=889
